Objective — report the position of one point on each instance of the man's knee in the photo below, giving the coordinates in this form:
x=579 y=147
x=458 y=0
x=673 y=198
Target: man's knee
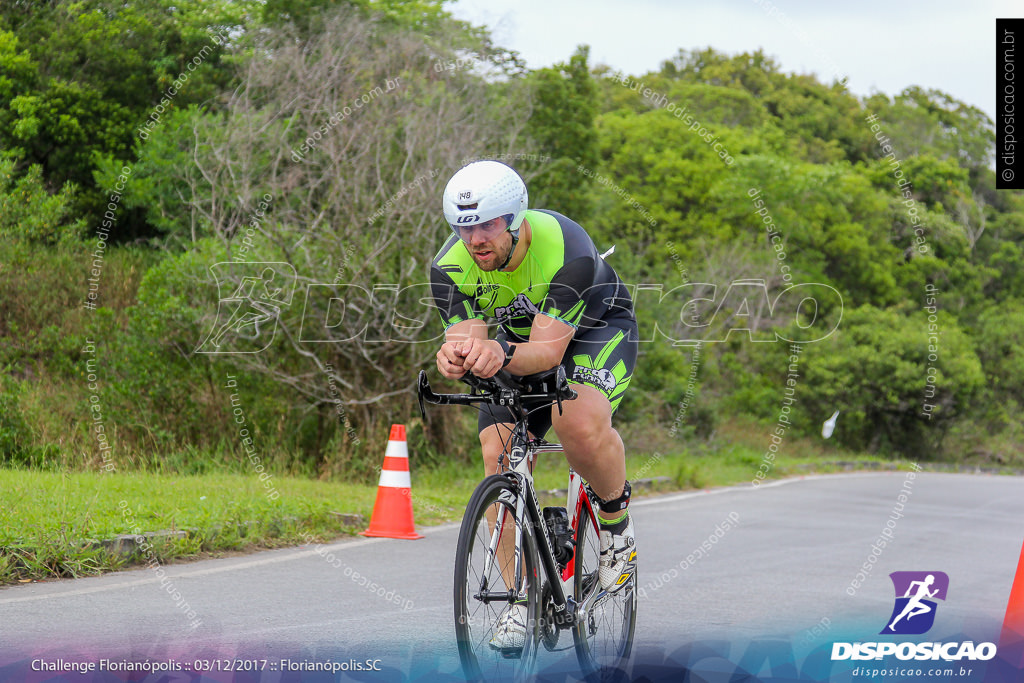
x=491 y=446
x=587 y=421
x=580 y=436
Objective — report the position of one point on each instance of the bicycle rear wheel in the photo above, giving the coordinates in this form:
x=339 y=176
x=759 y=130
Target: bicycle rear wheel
x=485 y=579
x=604 y=631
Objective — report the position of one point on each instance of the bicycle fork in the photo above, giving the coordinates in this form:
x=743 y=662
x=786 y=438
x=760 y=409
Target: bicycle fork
x=517 y=590
x=518 y=459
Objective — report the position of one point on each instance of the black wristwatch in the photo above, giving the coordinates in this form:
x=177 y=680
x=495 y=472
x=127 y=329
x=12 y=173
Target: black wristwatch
x=508 y=349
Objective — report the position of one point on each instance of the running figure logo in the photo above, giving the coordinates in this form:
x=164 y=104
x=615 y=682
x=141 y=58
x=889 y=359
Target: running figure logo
x=247 y=318
x=914 y=612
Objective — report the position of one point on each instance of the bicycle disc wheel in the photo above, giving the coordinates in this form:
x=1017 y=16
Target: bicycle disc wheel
x=604 y=632
x=484 y=581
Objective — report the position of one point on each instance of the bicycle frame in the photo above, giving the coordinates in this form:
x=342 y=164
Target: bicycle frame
x=532 y=585
x=527 y=509
x=581 y=510
x=580 y=501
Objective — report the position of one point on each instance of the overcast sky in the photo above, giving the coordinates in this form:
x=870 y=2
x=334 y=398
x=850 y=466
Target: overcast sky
x=880 y=45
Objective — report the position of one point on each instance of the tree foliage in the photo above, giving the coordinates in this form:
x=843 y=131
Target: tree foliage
x=319 y=133
x=81 y=78
x=562 y=124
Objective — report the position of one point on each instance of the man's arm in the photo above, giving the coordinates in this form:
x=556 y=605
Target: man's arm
x=462 y=319
x=548 y=340
x=552 y=329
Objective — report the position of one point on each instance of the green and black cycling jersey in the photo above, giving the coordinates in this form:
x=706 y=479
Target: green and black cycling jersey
x=562 y=276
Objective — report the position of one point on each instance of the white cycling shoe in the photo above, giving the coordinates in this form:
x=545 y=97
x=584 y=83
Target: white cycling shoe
x=618 y=558
x=510 y=633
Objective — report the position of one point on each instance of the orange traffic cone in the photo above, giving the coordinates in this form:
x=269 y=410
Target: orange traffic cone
x=392 y=511
x=1011 y=642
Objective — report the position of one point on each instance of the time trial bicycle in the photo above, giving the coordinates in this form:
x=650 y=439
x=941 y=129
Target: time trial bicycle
x=512 y=552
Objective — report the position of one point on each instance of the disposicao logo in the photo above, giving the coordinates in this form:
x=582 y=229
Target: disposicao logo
x=916 y=592
x=914 y=614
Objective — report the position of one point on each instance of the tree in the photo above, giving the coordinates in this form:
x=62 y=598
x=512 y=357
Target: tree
x=29 y=212
x=84 y=77
x=895 y=393
x=341 y=148
x=562 y=124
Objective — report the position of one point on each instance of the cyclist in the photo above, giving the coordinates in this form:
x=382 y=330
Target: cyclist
x=556 y=301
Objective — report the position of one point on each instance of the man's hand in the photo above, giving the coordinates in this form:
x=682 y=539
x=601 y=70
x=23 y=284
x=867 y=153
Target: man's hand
x=482 y=357
x=450 y=362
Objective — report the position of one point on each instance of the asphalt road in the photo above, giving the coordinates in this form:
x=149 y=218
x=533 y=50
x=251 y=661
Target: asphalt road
x=777 y=565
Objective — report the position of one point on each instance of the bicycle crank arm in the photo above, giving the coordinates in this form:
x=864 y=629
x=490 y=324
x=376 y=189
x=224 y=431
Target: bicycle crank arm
x=593 y=602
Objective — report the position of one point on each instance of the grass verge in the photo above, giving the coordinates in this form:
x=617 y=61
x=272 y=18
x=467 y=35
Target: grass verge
x=52 y=524
x=59 y=524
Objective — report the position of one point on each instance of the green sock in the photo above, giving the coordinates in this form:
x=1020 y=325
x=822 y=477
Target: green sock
x=616 y=525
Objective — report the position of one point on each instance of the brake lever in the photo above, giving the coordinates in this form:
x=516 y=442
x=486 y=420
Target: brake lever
x=560 y=382
x=423 y=386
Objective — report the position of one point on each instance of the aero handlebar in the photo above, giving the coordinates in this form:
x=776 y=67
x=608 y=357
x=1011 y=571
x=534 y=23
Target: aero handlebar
x=503 y=389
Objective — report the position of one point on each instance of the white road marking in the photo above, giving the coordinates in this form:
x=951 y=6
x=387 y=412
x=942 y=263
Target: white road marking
x=185 y=572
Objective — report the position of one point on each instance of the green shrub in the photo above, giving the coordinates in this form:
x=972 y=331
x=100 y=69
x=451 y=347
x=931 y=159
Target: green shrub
x=15 y=436
x=28 y=211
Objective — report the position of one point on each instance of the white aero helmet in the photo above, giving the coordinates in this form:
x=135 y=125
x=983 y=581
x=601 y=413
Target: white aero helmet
x=484 y=190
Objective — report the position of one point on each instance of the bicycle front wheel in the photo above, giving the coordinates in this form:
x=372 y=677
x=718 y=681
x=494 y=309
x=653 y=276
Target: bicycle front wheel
x=487 y=584
x=603 y=632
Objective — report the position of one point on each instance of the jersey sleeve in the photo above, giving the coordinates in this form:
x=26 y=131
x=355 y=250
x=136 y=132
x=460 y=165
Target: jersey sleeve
x=452 y=304
x=565 y=300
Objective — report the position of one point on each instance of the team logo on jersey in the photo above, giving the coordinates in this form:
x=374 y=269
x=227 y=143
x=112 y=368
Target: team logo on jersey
x=486 y=290
x=521 y=305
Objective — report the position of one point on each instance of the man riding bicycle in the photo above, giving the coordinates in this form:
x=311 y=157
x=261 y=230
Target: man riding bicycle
x=556 y=301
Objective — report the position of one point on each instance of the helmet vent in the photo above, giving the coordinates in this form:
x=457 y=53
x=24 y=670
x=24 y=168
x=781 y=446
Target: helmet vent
x=465 y=207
